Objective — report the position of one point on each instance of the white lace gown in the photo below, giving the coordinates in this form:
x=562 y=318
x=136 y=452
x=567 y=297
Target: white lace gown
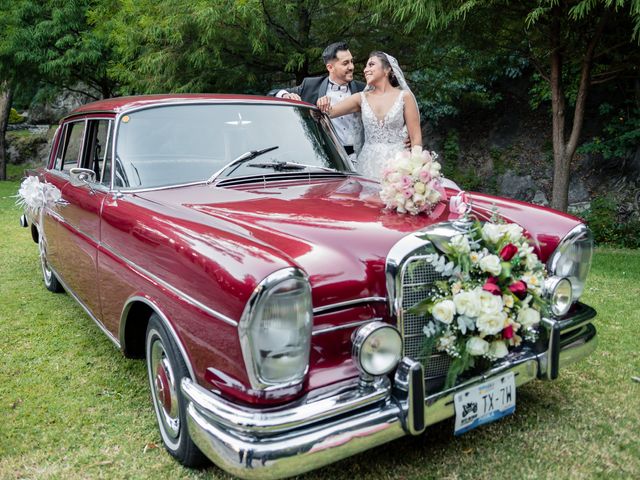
x=382 y=138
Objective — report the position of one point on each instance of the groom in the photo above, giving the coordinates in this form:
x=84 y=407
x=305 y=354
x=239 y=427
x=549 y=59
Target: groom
x=337 y=86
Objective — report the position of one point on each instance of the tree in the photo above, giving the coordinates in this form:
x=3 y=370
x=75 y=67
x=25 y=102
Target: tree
x=231 y=46
x=572 y=42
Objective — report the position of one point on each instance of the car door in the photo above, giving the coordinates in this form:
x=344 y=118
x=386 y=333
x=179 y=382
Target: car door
x=79 y=237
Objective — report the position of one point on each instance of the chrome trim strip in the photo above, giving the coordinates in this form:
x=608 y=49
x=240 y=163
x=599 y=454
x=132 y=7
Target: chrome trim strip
x=168 y=286
x=165 y=321
x=109 y=335
x=347 y=304
x=575 y=234
x=334 y=328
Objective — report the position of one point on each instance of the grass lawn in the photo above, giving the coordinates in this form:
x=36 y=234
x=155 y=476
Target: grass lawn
x=71 y=406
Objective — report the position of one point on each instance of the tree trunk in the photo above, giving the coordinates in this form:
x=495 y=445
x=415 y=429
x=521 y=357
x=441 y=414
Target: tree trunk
x=6 y=94
x=561 y=164
x=563 y=151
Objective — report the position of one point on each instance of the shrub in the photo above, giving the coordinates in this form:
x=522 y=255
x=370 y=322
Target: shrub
x=15 y=117
x=602 y=218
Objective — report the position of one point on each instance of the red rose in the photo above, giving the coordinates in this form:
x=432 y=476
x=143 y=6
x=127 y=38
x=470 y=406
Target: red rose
x=507 y=333
x=519 y=289
x=508 y=251
x=492 y=287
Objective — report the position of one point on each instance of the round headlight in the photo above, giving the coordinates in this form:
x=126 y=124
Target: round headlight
x=572 y=258
x=377 y=348
x=559 y=292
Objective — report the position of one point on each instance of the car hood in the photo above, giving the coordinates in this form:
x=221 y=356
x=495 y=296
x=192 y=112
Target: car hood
x=337 y=230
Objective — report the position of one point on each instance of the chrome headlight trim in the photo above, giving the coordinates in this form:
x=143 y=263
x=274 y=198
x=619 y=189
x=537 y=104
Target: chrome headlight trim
x=579 y=237
x=260 y=294
x=367 y=338
x=559 y=292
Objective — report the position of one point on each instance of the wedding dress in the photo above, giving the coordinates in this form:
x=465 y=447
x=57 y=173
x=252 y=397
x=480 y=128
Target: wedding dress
x=382 y=138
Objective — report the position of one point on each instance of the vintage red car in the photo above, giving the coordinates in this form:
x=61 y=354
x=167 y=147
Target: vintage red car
x=229 y=241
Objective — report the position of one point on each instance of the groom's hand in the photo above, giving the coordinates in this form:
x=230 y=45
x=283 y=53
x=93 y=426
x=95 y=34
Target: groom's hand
x=324 y=104
x=292 y=96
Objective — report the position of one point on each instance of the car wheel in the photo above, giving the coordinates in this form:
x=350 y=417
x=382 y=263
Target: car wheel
x=50 y=279
x=166 y=368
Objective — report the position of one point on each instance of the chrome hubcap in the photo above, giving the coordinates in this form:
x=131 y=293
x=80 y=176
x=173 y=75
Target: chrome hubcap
x=46 y=271
x=164 y=387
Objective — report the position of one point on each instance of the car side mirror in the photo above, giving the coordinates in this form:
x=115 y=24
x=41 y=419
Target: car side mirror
x=82 y=176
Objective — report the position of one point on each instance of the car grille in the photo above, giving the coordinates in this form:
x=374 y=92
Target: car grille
x=418 y=278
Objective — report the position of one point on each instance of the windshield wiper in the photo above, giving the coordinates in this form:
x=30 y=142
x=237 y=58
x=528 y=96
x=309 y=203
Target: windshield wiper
x=236 y=162
x=280 y=166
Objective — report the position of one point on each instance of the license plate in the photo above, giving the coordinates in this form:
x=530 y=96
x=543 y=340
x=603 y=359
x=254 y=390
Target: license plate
x=485 y=403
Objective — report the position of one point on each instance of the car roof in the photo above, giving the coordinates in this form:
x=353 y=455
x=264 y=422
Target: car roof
x=122 y=104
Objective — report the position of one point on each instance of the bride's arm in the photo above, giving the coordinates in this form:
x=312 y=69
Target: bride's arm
x=348 y=105
x=412 y=119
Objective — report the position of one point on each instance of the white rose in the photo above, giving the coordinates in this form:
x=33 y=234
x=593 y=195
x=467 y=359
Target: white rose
x=434 y=170
x=416 y=150
x=455 y=288
x=419 y=187
x=491 y=264
x=528 y=317
x=477 y=346
x=491 y=232
x=491 y=323
x=507 y=300
x=512 y=231
x=474 y=257
x=532 y=261
x=460 y=244
x=467 y=303
x=434 y=196
x=444 y=311
x=489 y=303
x=394 y=177
x=498 y=349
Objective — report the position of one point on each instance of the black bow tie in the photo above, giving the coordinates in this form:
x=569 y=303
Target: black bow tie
x=339 y=88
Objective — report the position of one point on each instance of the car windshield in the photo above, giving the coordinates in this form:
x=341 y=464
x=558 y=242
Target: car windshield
x=179 y=144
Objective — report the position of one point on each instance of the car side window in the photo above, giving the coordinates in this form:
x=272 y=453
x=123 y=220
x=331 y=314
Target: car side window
x=72 y=145
x=97 y=151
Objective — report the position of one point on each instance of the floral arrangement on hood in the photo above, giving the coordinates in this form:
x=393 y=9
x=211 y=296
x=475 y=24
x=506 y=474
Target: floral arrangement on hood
x=411 y=182
x=490 y=298
x=33 y=194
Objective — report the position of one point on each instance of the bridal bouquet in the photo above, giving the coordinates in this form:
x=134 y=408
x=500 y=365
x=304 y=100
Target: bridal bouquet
x=489 y=299
x=411 y=182
x=33 y=194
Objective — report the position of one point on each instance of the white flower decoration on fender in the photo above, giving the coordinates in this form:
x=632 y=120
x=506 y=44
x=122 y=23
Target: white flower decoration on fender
x=34 y=195
x=489 y=299
x=412 y=183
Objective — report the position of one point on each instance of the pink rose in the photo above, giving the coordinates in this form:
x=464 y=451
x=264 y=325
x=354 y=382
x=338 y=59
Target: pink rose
x=492 y=287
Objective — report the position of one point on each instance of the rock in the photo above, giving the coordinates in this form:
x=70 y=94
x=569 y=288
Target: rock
x=514 y=186
x=578 y=208
x=578 y=191
x=26 y=147
x=60 y=106
x=540 y=199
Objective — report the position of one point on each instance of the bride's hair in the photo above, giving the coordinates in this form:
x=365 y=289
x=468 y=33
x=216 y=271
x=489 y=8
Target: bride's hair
x=385 y=64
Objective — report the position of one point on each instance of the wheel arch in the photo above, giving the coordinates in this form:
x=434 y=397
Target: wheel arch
x=133 y=328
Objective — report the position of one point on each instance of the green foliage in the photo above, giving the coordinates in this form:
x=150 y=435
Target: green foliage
x=15 y=117
x=621 y=133
x=603 y=221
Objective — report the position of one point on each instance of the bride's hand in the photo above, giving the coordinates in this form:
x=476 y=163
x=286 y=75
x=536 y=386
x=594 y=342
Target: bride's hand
x=324 y=104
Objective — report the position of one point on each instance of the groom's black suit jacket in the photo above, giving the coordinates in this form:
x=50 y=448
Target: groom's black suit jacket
x=313 y=88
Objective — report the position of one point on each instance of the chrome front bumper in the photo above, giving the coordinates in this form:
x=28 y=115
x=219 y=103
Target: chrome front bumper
x=342 y=420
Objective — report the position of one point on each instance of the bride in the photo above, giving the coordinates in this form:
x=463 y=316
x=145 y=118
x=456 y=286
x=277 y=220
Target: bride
x=389 y=113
